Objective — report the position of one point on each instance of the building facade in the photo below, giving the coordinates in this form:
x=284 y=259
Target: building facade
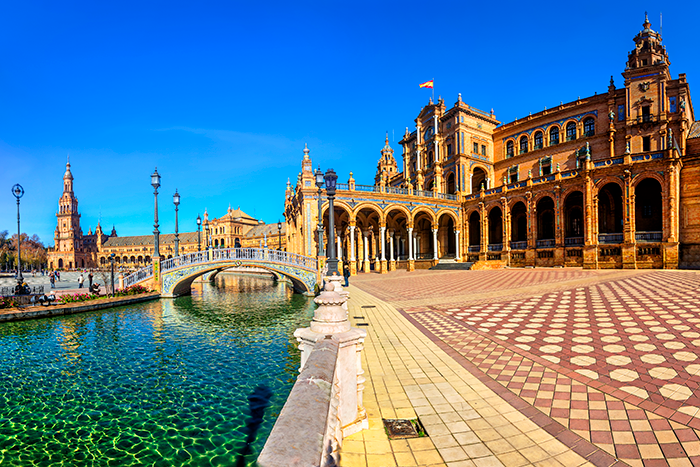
x=607 y=181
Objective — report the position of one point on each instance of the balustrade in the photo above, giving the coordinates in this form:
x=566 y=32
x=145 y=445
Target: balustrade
x=496 y=247
x=649 y=237
x=573 y=241
x=610 y=238
x=547 y=243
x=522 y=245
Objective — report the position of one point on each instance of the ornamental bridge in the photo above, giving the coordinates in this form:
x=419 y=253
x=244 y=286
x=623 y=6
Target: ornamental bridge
x=173 y=277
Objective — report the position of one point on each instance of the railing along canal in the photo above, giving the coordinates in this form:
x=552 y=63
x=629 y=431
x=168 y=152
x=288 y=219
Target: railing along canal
x=256 y=254
x=138 y=276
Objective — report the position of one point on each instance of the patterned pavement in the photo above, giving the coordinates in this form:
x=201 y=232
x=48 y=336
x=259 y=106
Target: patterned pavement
x=612 y=357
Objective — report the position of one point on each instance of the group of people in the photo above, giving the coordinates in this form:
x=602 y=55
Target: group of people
x=56 y=276
x=53 y=277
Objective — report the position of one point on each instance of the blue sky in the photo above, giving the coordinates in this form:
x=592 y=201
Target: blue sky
x=222 y=96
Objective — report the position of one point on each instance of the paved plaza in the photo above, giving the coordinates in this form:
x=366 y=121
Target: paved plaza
x=605 y=363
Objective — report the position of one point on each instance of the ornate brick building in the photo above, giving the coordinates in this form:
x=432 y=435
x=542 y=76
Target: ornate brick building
x=607 y=181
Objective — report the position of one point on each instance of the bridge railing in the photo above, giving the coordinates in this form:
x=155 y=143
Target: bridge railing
x=184 y=260
x=263 y=254
x=138 y=276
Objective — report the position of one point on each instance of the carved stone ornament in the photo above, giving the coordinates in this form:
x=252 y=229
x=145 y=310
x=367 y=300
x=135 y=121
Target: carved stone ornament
x=644 y=86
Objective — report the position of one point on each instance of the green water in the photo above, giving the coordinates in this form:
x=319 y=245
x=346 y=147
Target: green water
x=160 y=383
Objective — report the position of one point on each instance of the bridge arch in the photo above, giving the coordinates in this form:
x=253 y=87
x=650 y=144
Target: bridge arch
x=177 y=274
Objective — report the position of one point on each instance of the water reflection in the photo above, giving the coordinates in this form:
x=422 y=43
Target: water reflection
x=158 y=383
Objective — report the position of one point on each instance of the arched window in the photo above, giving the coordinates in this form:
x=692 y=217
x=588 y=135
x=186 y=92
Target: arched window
x=523 y=145
x=589 y=127
x=554 y=136
x=510 y=151
x=538 y=140
x=570 y=131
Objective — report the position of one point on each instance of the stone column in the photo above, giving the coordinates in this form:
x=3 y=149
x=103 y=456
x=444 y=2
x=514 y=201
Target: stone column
x=353 y=264
x=457 y=255
x=365 y=244
x=411 y=261
x=392 y=262
x=435 y=245
x=382 y=239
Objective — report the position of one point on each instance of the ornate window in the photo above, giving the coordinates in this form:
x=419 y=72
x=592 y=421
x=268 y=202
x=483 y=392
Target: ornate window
x=428 y=133
x=589 y=126
x=449 y=149
x=554 y=136
x=546 y=166
x=523 y=144
x=513 y=174
x=475 y=148
x=672 y=104
x=538 y=140
x=510 y=151
x=570 y=131
x=483 y=149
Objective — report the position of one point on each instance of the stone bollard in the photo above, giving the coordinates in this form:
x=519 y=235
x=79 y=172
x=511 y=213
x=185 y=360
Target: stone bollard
x=121 y=281
x=331 y=320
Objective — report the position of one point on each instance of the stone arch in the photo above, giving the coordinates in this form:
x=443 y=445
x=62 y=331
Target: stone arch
x=518 y=220
x=60 y=262
x=610 y=202
x=447 y=223
x=495 y=217
x=451 y=183
x=640 y=177
x=573 y=214
x=179 y=281
x=546 y=215
x=648 y=205
x=423 y=209
x=474 y=222
x=478 y=178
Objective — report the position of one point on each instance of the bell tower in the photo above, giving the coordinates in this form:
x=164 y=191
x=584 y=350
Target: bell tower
x=68 y=235
x=647 y=81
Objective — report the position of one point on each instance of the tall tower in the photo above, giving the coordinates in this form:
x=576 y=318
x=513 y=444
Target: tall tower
x=69 y=251
x=386 y=167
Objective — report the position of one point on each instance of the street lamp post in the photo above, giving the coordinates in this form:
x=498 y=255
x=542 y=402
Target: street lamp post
x=176 y=202
x=207 y=240
x=111 y=260
x=155 y=182
x=279 y=235
x=331 y=178
x=18 y=191
x=199 y=225
x=319 y=183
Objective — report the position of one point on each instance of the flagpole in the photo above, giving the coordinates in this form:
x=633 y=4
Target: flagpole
x=433 y=88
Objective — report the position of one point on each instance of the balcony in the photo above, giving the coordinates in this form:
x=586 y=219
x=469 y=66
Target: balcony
x=548 y=243
x=648 y=118
x=518 y=245
x=648 y=237
x=610 y=238
x=573 y=241
x=474 y=248
x=496 y=247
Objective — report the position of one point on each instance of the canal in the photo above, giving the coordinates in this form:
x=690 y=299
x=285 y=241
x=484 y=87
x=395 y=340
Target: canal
x=159 y=383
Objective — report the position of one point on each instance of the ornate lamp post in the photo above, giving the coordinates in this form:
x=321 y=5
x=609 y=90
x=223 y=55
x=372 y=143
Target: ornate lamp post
x=319 y=183
x=176 y=202
x=18 y=192
x=111 y=261
x=199 y=226
x=279 y=235
x=331 y=178
x=155 y=182
x=207 y=240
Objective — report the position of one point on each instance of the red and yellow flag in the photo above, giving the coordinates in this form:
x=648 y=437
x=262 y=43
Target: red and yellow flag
x=427 y=84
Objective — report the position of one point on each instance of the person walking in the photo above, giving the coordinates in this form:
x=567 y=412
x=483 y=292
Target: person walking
x=90 y=280
x=346 y=273
x=81 y=279
x=52 y=279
